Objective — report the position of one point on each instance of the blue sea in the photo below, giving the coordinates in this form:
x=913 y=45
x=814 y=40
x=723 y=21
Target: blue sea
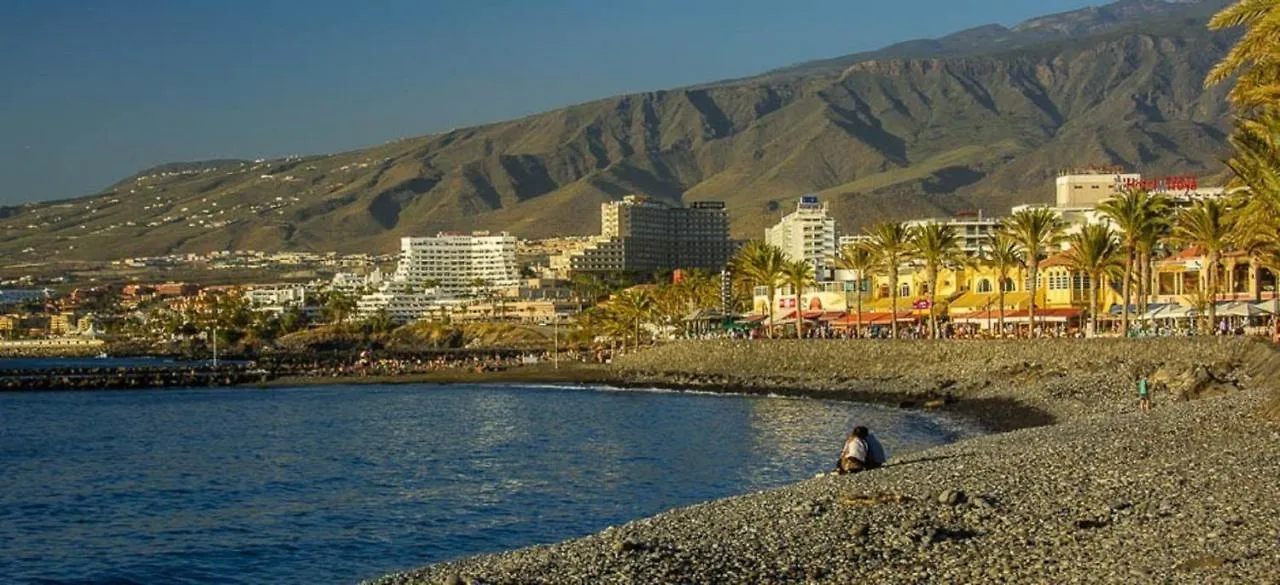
x=337 y=484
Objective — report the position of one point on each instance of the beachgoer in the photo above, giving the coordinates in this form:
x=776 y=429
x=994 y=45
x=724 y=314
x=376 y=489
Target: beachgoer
x=862 y=451
x=1144 y=394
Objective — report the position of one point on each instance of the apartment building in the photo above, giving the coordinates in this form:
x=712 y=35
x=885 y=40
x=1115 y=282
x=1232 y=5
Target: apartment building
x=639 y=234
x=974 y=231
x=808 y=234
x=453 y=261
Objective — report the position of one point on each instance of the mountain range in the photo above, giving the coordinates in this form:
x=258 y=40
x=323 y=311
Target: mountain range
x=978 y=120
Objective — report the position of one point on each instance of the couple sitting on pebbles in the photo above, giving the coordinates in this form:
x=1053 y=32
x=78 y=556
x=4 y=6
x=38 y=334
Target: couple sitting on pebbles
x=861 y=451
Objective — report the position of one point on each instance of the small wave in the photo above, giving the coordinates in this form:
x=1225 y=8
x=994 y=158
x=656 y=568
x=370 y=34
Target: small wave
x=658 y=390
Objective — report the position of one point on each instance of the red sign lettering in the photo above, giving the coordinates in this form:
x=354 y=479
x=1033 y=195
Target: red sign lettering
x=1167 y=184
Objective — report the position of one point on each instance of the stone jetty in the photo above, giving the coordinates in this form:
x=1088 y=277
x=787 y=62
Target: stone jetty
x=117 y=378
x=1080 y=488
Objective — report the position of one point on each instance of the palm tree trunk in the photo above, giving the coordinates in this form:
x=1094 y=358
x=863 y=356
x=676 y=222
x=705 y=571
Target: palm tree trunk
x=893 y=300
x=1212 y=267
x=1001 y=289
x=933 y=298
x=769 y=331
x=1093 y=305
x=1033 y=266
x=799 y=314
x=1127 y=290
x=1144 y=280
x=858 y=331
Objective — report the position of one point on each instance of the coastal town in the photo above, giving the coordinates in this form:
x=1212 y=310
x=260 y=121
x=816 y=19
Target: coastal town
x=1116 y=254
x=1000 y=306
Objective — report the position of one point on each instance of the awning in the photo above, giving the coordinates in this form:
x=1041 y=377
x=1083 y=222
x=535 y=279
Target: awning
x=873 y=318
x=1241 y=309
x=1042 y=316
x=1134 y=309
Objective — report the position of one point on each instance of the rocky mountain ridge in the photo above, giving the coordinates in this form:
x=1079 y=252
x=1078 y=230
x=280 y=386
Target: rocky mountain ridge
x=881 y=138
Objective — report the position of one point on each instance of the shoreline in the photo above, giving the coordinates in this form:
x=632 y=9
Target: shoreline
x=1006 y=506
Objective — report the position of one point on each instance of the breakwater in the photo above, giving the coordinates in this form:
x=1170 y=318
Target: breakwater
x=1094 y=491
x=131 y=377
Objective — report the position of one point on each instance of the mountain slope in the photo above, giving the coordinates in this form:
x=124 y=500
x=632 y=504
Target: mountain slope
x=881 y=138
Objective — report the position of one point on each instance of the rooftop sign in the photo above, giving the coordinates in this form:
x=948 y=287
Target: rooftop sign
x=1167 y=184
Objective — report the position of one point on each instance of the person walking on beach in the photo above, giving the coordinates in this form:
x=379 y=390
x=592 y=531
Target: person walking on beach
x=862 y=451
x=1144 y=394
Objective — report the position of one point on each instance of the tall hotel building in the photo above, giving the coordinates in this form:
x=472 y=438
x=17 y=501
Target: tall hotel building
x=808 y=234
x=455 y=260
x=639 y=234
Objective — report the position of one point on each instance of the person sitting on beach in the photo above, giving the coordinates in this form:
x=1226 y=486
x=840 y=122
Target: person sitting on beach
x=862 y=450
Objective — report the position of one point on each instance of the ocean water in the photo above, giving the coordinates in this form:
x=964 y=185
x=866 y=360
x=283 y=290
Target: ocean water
x=337 y=484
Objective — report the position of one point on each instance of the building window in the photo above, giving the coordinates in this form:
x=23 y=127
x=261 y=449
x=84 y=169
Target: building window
x=984 y=286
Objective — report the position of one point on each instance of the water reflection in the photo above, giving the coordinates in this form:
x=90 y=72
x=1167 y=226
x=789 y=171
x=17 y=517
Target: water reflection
x=335 y=484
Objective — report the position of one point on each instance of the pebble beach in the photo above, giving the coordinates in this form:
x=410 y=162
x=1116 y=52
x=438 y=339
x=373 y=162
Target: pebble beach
x=1073 y=485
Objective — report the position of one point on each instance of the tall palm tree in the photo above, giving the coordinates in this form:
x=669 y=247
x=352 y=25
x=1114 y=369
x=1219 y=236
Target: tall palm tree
x=938 y=245
x=633 y=308
x=1037 y=232
x=1253 y=59
x=861 y=260
x=1206 y=226
x=1005 y=255
x=798 y=275
x=339 y=306
x=1256 y=185
x=1152 y=240
x=891 y=243
x=1134 y=213
x=1096 y=251
x=761 y=265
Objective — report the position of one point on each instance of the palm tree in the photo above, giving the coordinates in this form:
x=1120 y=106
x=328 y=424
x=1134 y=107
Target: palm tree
x=1005 y=255
x=891 y=243
x=1206 y=226
x=380 y=322
x=798 y=275
x=1253 y=59
x=339 y=306
x=938 y=245
x=1254 y=233
x=761 y=265
x=861 y=260
x=1151 y=241
x=1256 y=184
x=1036 y=232
x=633 y=308
x=1094 y=250
x=1135 y=213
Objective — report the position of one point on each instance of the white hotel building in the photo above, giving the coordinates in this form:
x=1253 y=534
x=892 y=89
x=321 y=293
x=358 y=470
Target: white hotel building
x=435 y=272
x=808 y=234
x=454 y=260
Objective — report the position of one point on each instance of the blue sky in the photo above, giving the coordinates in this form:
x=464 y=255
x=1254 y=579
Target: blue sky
x=94 y=90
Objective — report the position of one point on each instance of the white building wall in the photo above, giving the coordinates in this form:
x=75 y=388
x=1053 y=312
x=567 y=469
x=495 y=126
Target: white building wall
x=809 y=234
x=454 y=261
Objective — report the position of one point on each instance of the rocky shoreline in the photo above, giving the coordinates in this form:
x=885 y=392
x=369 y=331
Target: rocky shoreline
x=1085 y=490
